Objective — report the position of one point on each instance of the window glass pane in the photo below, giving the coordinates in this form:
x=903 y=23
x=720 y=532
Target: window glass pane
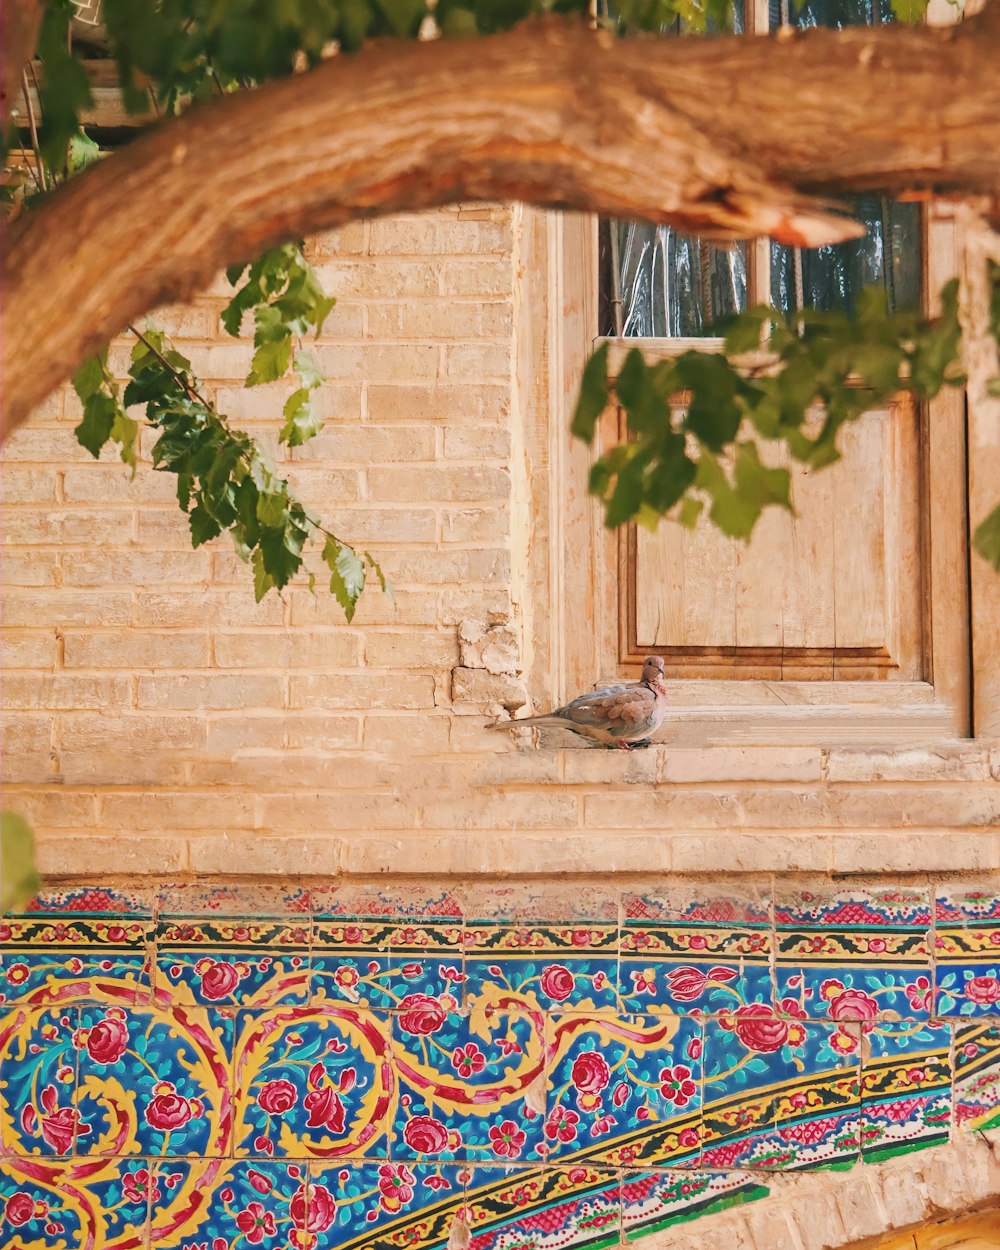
x=890 y=253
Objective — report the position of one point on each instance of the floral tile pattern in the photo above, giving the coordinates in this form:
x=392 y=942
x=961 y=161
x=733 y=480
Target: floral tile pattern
x=206 y=1067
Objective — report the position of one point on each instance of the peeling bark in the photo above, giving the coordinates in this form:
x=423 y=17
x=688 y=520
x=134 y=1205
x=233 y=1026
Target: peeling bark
x=729 y=136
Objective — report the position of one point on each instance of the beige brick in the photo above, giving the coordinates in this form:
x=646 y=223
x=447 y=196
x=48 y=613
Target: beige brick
x=500 y=810
x=163 y=528
x=406 y=401
x=243 y=731
x=227 y=690
x=401 y=736
x=52 y=808
x=349 y=240
x=936 y=850
x=476 y=692
x=76 y=527
x=104 y=484
x=476 y=277
x=440 y=320
x=491 y=607
x=44 y=446
x=29 y=567
x=135 y=649
x=50 y=409
x=43 y=691
x=127 y=767
x=317 y=730
x=373 y=279
x=944 y=763
x=24 y=732
x=224 y=609
x=478 y=442
x=148 y=810
x=362 y=690
x=403 y=607
x=29 y=608
x=29 y=768
x=27 y=648
x=422 y=235
x=308 y=813
x=277 y=770
x=334 y=401
x=411 y=650
x=21 y=484
x=475 y=525
x=255 y=853
x=590 y=765
x=751 y=852
x=96 y=858
x=732 y=763
x=84 y=733
x=488 y=360
x=138 y=568
x=447 y=566
x=370 y=445
x=258 y=649
x=377 y=527
x=317 y=486
x=185 y=321
x=379 y=362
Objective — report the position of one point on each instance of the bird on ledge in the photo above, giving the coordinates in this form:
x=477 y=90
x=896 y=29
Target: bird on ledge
x=621 y=716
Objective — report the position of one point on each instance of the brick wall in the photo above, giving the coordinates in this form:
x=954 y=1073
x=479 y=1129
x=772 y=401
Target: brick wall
x=157 y=720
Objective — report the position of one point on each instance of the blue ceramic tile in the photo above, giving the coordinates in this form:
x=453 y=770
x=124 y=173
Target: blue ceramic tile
x=93 y=901
x=47 y=959
x=243 y=1204
x=470 y=1087
x=780 y=1092
x=625 y=1091
x=155 y=1081
x=556 y=968
x=312 y=1082
x=656 y=1200
x=967 y=950
x=38 y=1078
x=906 y=1087
x=377 y=1204
x=233 y=962
x=350 y=962
x=977 y=1076
x=36 y=1214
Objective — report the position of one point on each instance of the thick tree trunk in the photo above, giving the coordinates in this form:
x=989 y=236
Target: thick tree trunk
x=731 y=136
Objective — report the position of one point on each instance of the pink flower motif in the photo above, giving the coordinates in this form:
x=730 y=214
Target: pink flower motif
x=437 y=1182
x=590 y=1072
x=19 y=1209
x=425 y=1135
x=507 y=1140
x=558 y=982
x=218 y=978
x=278 y=1096
x=421 y=1015
x=346 y=977
x=317 y=1216
x=877 y=945
x=688 y=1138
x=676 y=1085
x=919 y=994
x=693 y=1048
x=107 y=1041
x=644 y=982
x=448 y=973
x=621 y=1094
x=561 y=1125
x=687 y=983
x=757 y=1027
x=256 y=1223
x=852 y=1005
x=395 y=1186
x=325 y=1109
x=983 y=990
x=467 y=1060
x=411 y=971
x=169 y=1110
x=139 y=1185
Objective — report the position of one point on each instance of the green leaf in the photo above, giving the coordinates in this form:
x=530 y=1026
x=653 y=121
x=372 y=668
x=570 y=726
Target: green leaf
x=301 y=421
x=19 y=880
x=270 y=360
x=593 y=397
x=347 y=574
x=282 y=552
x=377 y=570
x=986 y=539
x=89 y=378
x=262 y=580
x=690 y=511
x=308 y=368
x=94 y=430
x=125 y=432
x=272 y=508
x=757 y=483
x=83 y=151
x=909 y=11
x=743 y=332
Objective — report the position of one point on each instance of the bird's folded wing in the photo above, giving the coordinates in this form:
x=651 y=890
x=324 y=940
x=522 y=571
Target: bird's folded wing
x=613 y=708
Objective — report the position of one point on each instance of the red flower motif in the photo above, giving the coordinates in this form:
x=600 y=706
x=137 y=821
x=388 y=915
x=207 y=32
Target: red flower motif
x=688 y=1138
x=421 y=1014
x=757 y=1027
x=395 y=1185
x=17 y=974
x=558 y=982
x=561 y=1125
x=325 y=1109
x=263 y=1184
x=507 y=1140
x=168 y=1109
x=467 y=1060
x=60 y=1125
x=676 y=1085
x=919 y=994
x=853 y=1005
x=425 y=1135
x=107 y=1041
x=318 y=1214
x=590 y=1072
x=277 y=1097
x=621 y=1094
x=256 y=1223
x=139 y=1185
x=346 y=977
x=218 y=978
x=983 y=990
x=19 y=1209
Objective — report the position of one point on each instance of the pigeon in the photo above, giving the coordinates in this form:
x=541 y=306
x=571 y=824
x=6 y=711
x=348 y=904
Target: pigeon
x=616 y=716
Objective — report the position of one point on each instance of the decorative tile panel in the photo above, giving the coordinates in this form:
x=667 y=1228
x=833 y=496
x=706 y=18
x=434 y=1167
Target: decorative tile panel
x=349 y=1066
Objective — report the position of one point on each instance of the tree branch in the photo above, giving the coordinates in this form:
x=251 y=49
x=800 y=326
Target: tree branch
x=726 y=136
